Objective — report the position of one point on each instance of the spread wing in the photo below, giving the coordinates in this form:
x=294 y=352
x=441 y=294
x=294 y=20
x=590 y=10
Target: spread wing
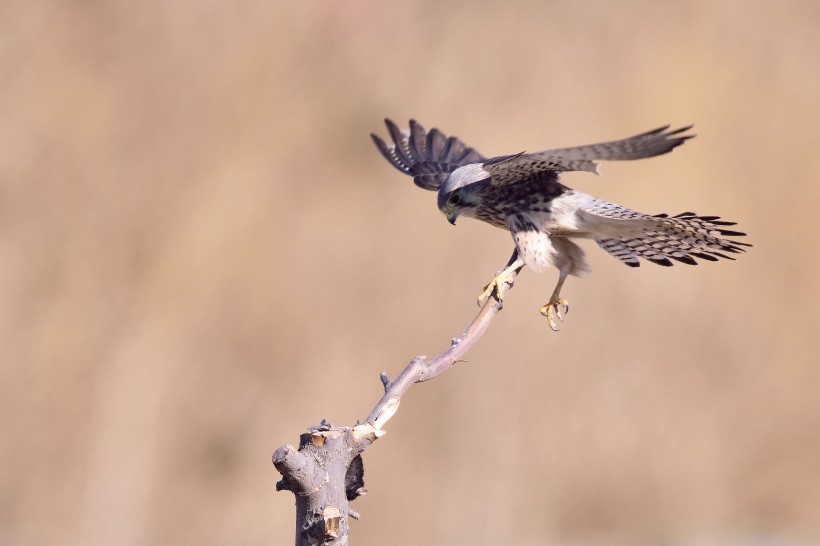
x=426 y=156
x=510 y=169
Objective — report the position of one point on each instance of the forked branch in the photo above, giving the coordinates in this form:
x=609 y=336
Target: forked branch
x=325 y=473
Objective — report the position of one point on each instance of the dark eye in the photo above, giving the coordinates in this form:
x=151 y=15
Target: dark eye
x=455 y=199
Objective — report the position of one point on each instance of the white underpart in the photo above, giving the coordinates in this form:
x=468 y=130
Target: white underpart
x=563 y=217
x=541 y=250
x=535 y=248
x=569 y=218
x=575 y=215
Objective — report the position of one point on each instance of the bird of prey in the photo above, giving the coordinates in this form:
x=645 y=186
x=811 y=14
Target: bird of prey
x=521 y=193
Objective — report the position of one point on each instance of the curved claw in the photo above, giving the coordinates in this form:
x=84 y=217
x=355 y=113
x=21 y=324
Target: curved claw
x=495 y=286
x=552 y=310
x=488 y=291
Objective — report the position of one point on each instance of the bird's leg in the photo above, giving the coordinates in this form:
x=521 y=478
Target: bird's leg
x=552 y=308
x=505 y=276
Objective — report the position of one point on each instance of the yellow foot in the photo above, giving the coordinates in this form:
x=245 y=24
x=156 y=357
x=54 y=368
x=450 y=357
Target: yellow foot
x=495 y=286
x=552 y=309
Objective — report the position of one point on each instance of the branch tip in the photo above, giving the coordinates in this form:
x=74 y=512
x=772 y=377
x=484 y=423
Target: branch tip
x=282 y=453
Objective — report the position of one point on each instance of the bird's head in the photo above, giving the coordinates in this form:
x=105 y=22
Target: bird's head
x=461 y=192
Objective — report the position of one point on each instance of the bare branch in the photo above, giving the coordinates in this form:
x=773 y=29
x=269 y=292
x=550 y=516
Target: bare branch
x=419 y=369
x=326 y=472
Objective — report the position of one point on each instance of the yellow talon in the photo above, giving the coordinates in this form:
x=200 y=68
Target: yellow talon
x=552 y=309
x=496 y=285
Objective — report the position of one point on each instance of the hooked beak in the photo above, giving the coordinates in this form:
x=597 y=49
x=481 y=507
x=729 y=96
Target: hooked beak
x=452 y=217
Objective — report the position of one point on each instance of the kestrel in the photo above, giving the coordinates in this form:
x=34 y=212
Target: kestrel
x=521 y=193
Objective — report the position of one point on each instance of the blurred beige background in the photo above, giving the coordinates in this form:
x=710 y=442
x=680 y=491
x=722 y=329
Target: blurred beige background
x=202 y=254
